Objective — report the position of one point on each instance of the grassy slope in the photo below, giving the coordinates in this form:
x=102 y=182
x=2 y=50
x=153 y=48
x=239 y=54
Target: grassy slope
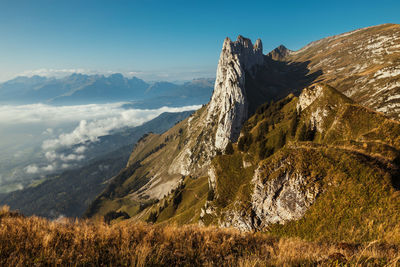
x=36 y=241
x=154 y=153
x=352 y=162
x=347 y=64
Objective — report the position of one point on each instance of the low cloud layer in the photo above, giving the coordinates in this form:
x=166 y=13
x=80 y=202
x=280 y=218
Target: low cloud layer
x=90 y=131
x=86 y=123
x=53 y=115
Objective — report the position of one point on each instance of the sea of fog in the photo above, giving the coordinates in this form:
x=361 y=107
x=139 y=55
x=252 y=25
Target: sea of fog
x=31 y=136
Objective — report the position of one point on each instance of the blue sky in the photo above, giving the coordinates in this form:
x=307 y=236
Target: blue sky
x=160 y=39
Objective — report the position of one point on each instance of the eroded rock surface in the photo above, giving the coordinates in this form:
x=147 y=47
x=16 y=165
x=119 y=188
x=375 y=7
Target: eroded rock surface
x=229 y=104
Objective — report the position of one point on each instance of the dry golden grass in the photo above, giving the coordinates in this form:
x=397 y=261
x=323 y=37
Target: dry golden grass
x=37 y=241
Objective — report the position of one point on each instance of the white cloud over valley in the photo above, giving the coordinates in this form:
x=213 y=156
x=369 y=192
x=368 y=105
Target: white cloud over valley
x=116 y=118
x=86 y=123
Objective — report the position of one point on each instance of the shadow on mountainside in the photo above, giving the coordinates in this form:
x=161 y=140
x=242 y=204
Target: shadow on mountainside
x=276 y=79
x=395 y=179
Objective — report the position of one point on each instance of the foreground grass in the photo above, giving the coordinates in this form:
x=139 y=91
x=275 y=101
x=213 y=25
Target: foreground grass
x=37 y=241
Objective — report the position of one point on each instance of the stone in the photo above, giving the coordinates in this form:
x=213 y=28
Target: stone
x=229 y=104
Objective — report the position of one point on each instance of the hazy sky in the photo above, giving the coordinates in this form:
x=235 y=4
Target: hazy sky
x=160 y=39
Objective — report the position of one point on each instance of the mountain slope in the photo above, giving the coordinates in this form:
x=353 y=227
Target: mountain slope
x=340 y=157
x=159 y=161
x=253 y=164
x=363 y=64
x=290 y=174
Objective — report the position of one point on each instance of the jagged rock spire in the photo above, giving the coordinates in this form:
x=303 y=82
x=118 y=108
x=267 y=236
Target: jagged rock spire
x=229 y=106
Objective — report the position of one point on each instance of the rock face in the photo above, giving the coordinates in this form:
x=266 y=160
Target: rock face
x=229 y=104
x=308 y=95
x=283 y=198
x=224 y=116
x=281 y=194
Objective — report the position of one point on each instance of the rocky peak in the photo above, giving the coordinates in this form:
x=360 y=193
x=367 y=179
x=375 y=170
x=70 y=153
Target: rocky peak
x=279 y=53
x=229 y=106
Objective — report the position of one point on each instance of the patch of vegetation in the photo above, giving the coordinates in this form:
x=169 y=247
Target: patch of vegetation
x=245 y=141
x=35 y=241
x=113 y=215
x=233 y=179
x=210 y=194
x=358 y=198
x=183 y=204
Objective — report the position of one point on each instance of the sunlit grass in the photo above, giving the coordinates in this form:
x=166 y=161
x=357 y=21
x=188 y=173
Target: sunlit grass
x=37 y=241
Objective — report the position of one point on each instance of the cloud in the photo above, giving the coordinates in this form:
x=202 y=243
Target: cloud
x=72 y=127
x=65 y=166
x=49 y=168
x=49 y=131
x=71 y=157
x=53 y=115
x=32 y=169
x=80 y=149
x=51 y=155
x=90 y=131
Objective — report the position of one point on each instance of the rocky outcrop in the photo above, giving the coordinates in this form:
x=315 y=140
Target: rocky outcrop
x=308 y=95
x=221 y=121
x=229 y=105
x=280 y=53
x=284 y=198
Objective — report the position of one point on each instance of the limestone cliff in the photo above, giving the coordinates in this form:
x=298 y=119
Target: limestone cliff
x=229 y=105
x=228 y=108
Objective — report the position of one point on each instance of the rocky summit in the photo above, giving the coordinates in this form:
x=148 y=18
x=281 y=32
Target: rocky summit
x=290 y=141
x=229 y=105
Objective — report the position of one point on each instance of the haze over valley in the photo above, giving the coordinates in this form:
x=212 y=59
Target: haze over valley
x=41 y=134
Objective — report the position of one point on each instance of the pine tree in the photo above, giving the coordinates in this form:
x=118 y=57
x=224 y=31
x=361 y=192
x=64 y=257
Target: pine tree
x=281 y=140
x=293 y=123
x=229 y=148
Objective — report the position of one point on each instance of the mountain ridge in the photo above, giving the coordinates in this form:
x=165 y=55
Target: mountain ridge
x=80 y=88
x=284 y=132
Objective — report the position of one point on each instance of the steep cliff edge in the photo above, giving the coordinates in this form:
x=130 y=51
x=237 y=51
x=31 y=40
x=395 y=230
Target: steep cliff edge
x=228 y=107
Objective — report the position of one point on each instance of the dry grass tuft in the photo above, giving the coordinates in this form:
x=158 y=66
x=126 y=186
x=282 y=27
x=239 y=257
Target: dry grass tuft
x=27 y=241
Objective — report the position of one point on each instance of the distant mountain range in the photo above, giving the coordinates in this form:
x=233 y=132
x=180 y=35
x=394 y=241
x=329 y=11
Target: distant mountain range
x=87 y=89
